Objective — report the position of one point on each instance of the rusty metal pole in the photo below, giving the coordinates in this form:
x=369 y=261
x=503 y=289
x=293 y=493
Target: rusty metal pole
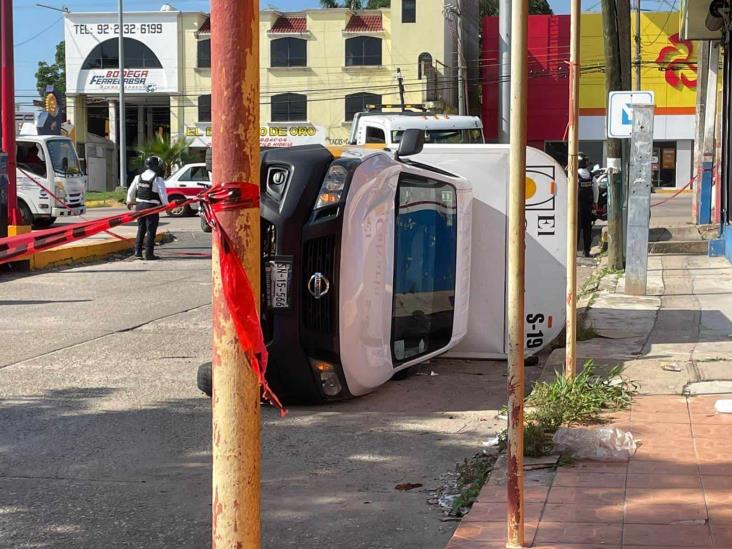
x=516 y=265
x=573 y=188
x=8 y=111
x=235 y=402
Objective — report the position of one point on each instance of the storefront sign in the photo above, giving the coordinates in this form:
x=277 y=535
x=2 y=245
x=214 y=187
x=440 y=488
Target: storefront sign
x=269 y=136
x=151 y=41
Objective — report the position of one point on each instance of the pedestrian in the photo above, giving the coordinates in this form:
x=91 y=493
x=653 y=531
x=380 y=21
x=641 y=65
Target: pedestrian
x=147 y=191
x=584 y=204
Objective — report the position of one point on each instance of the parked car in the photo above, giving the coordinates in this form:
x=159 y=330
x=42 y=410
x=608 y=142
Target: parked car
x=185 y=183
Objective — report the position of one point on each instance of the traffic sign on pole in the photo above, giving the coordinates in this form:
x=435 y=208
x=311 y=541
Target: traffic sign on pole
x=620 y=111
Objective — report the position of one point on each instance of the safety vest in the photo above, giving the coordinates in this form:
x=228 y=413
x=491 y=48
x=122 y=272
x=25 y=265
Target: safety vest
x=585 y=178
x=146 y=190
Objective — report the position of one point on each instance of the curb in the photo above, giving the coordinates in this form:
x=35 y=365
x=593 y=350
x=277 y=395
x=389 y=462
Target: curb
x=109 y=203
x=87 y=252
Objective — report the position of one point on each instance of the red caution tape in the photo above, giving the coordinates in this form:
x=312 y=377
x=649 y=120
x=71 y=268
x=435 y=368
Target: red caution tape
x=63 y=204
x=240 y=299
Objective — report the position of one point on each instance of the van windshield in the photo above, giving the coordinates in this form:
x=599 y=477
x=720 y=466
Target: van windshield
x=424 y=267
x=445 y=137
x=58 y=149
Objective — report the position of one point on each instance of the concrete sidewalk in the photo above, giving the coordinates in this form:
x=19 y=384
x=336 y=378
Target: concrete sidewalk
x=676 y=491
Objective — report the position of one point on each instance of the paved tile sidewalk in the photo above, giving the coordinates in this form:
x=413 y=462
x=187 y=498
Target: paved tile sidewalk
x=675 y=492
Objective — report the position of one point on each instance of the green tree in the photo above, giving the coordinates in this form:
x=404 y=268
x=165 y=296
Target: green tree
x=53 y=74
x=375 y=4
x=536 y=7
x=169 y=152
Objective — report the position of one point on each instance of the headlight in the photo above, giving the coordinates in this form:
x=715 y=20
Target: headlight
x=331 y=191
x=59 y=189
x=329 y=381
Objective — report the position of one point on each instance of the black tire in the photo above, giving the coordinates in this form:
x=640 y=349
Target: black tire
x=44 y=222
x=181 y=211
x=203 y=378
x=405 y=373
x=205 y=227
x=26 y=217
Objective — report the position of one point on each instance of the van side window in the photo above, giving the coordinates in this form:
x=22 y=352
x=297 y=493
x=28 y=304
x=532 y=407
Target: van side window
x=375 y=135
x=30 y=158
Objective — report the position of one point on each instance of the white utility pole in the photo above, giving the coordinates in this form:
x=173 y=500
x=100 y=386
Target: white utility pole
x=122 y=119
x=504 y=71
x=461 y=63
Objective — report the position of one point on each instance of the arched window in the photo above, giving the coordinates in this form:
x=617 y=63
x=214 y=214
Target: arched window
x=356 y=102
x=363 y=51
x=289 y=52
x=204 y=108
x=423 y=61
x=289 y=107
x=203 y=57
x=106 y=56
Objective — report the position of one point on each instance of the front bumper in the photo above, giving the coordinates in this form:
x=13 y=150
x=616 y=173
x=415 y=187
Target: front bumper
x=58 y=211
x=308 y=329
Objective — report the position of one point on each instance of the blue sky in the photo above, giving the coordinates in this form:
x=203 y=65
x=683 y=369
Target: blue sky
x=38 y=30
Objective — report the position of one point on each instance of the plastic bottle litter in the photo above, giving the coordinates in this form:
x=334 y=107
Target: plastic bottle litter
x=600 y=444
x=723 y=406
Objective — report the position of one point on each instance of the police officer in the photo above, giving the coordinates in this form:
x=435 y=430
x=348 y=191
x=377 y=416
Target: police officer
x=147 y=191
x=584 y=204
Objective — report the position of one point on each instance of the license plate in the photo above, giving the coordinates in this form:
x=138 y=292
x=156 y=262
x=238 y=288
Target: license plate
x=278 y=280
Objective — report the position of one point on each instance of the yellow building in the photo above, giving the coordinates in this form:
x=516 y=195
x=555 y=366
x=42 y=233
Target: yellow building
x=318 y=67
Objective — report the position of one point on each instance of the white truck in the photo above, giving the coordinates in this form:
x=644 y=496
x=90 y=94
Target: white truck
x=377 y=127
x=374 y=261
x=50 y=160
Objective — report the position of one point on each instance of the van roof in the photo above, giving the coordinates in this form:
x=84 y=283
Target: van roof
x=425 y=121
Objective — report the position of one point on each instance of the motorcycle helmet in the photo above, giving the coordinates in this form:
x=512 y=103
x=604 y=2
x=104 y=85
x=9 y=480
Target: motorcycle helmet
x=583 y=160
x=154 y=163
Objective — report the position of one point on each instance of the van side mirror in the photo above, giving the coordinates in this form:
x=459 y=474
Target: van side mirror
x=412 y=143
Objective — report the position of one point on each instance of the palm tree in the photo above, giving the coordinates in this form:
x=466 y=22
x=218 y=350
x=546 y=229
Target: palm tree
x=171 y=153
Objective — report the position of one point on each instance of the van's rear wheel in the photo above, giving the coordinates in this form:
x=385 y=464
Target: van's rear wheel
x=203 y=378
x=205 y=227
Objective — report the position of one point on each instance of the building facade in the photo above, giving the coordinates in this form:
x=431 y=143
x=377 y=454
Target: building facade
x=668 y=68
x=317 y=68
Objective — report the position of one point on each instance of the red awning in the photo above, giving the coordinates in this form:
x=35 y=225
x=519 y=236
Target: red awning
x=365 y=23
x=290 y=25
x=205 y=27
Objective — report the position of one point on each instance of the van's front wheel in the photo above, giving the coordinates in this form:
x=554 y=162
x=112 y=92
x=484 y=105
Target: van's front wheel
x=44 y=222
x=26 y=217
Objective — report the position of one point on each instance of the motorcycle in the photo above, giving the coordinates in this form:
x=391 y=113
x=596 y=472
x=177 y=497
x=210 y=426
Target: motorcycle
x=599 y=192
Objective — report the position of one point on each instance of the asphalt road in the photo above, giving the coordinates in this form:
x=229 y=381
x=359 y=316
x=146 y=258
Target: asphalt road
x=105 y=439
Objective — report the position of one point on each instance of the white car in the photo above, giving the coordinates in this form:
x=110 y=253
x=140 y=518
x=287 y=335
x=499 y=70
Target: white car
x=186 y=183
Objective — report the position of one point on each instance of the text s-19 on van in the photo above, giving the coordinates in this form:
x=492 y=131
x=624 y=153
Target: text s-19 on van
x=50 y=160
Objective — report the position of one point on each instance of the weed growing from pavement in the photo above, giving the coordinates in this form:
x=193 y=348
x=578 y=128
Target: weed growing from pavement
x=593 y=281
x=471 y=476
x=567 y=402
